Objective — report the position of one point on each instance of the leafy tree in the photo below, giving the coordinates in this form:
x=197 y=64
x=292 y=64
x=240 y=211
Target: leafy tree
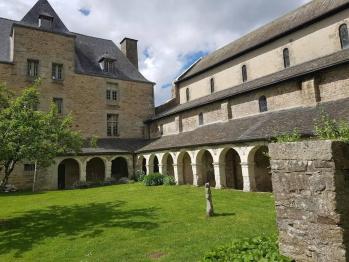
x=27 y=134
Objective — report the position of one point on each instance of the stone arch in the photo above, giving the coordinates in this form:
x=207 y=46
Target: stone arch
x=231 y=161
x=262 y=171
x=68 y=173
x=167 y=163
x=153 y=164
x=185 y=169
x=95 y=170
x=119 y=168
x=141 y=164
x=204 y=162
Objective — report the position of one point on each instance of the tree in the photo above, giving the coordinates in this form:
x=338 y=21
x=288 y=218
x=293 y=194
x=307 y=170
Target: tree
x=27 y=134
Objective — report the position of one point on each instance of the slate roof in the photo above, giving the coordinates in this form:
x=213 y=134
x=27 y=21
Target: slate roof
x=88 y=50
x=334 y=59
x=292 y=21
x=114 y=145
x=43 y=7
x=255 y=128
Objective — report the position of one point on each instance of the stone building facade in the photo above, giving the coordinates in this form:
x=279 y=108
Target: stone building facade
x=225 y=108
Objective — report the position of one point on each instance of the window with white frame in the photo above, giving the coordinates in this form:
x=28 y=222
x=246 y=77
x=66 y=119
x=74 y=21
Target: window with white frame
x=45 y=21
x=32 y=68
x=112 y=93
x=112 y=125
x=57 y=71
x=108 y=66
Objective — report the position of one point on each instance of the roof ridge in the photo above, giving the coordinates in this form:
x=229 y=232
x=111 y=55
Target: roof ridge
x=8 y=19
x=100 y=38
x=315 y=9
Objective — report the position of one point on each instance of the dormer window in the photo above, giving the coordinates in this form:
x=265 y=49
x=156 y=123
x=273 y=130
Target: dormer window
x=45 y=21
x=107 y=65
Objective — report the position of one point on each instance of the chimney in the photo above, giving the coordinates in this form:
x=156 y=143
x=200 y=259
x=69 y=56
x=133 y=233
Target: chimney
x=130 y=50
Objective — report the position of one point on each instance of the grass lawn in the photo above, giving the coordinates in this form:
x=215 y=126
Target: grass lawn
x=128 y=223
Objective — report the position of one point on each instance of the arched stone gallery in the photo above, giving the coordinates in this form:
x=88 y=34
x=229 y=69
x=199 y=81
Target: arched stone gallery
x=186 y=168
x=233 y=173
x=119 y=168
x=262 y=170
x=95 y=170
x=68 y=173
x=167 y=164
x=206 y=170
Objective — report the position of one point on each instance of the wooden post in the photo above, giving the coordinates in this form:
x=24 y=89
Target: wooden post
x=209 y=205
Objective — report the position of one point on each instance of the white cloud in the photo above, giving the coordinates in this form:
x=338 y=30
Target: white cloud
x=167 y=30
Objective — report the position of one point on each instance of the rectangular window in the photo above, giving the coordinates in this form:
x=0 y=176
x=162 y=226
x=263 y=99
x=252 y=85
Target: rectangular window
x=59 y=104
x=112 y=124
x=108 y=94
x=57 y=71
x=112 y=93
x=32 y=68
x=29 y=167
x=45 y=21
x=108 y=66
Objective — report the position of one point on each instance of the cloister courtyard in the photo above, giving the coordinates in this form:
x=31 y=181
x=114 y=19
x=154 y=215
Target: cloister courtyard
x=128 y=223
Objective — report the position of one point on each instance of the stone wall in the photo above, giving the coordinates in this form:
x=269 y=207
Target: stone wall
x=311 y=187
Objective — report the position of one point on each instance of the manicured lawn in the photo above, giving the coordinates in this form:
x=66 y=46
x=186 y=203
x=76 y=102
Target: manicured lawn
x=128 y=223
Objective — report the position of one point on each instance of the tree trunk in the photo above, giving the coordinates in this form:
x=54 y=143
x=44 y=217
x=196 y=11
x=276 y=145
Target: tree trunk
x=209 y=204
x=35 y=174
x=9 y=166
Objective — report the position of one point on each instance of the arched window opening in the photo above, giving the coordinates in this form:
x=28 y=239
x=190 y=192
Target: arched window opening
x=212 y=85
x=286 y=54
x=344 y=36
x=263 y=104
x=244 y=73
x=187 y=92
x=201 y=119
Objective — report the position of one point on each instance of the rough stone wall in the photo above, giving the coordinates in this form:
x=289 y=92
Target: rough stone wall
x=334 y=83
x=282 y=96
x=211 y=113
x=311 y=187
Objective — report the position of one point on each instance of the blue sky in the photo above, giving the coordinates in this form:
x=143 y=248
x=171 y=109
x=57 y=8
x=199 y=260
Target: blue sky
x=172 y=34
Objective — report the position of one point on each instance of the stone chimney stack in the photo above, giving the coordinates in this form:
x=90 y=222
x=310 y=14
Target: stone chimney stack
x=130 y=48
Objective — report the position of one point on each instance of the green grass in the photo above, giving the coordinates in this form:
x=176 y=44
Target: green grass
x=128 y=223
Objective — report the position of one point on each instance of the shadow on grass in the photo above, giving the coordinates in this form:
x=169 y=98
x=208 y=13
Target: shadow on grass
x=20 y=193
x=20 y=233
x=223 y=214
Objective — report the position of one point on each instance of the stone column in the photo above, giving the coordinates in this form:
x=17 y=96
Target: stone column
x=248 y=177
x=178 y=174
x=162 y=169
x=219 y=174
x=196 y=178
x=108 y=165
x=150 y=169
x=83 y=171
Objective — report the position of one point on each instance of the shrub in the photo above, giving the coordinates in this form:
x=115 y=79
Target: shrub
x=154 y=180
x=255 y=249
x=139 y=176
x=294 y=136
x=329 y=129
x=169 y=181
